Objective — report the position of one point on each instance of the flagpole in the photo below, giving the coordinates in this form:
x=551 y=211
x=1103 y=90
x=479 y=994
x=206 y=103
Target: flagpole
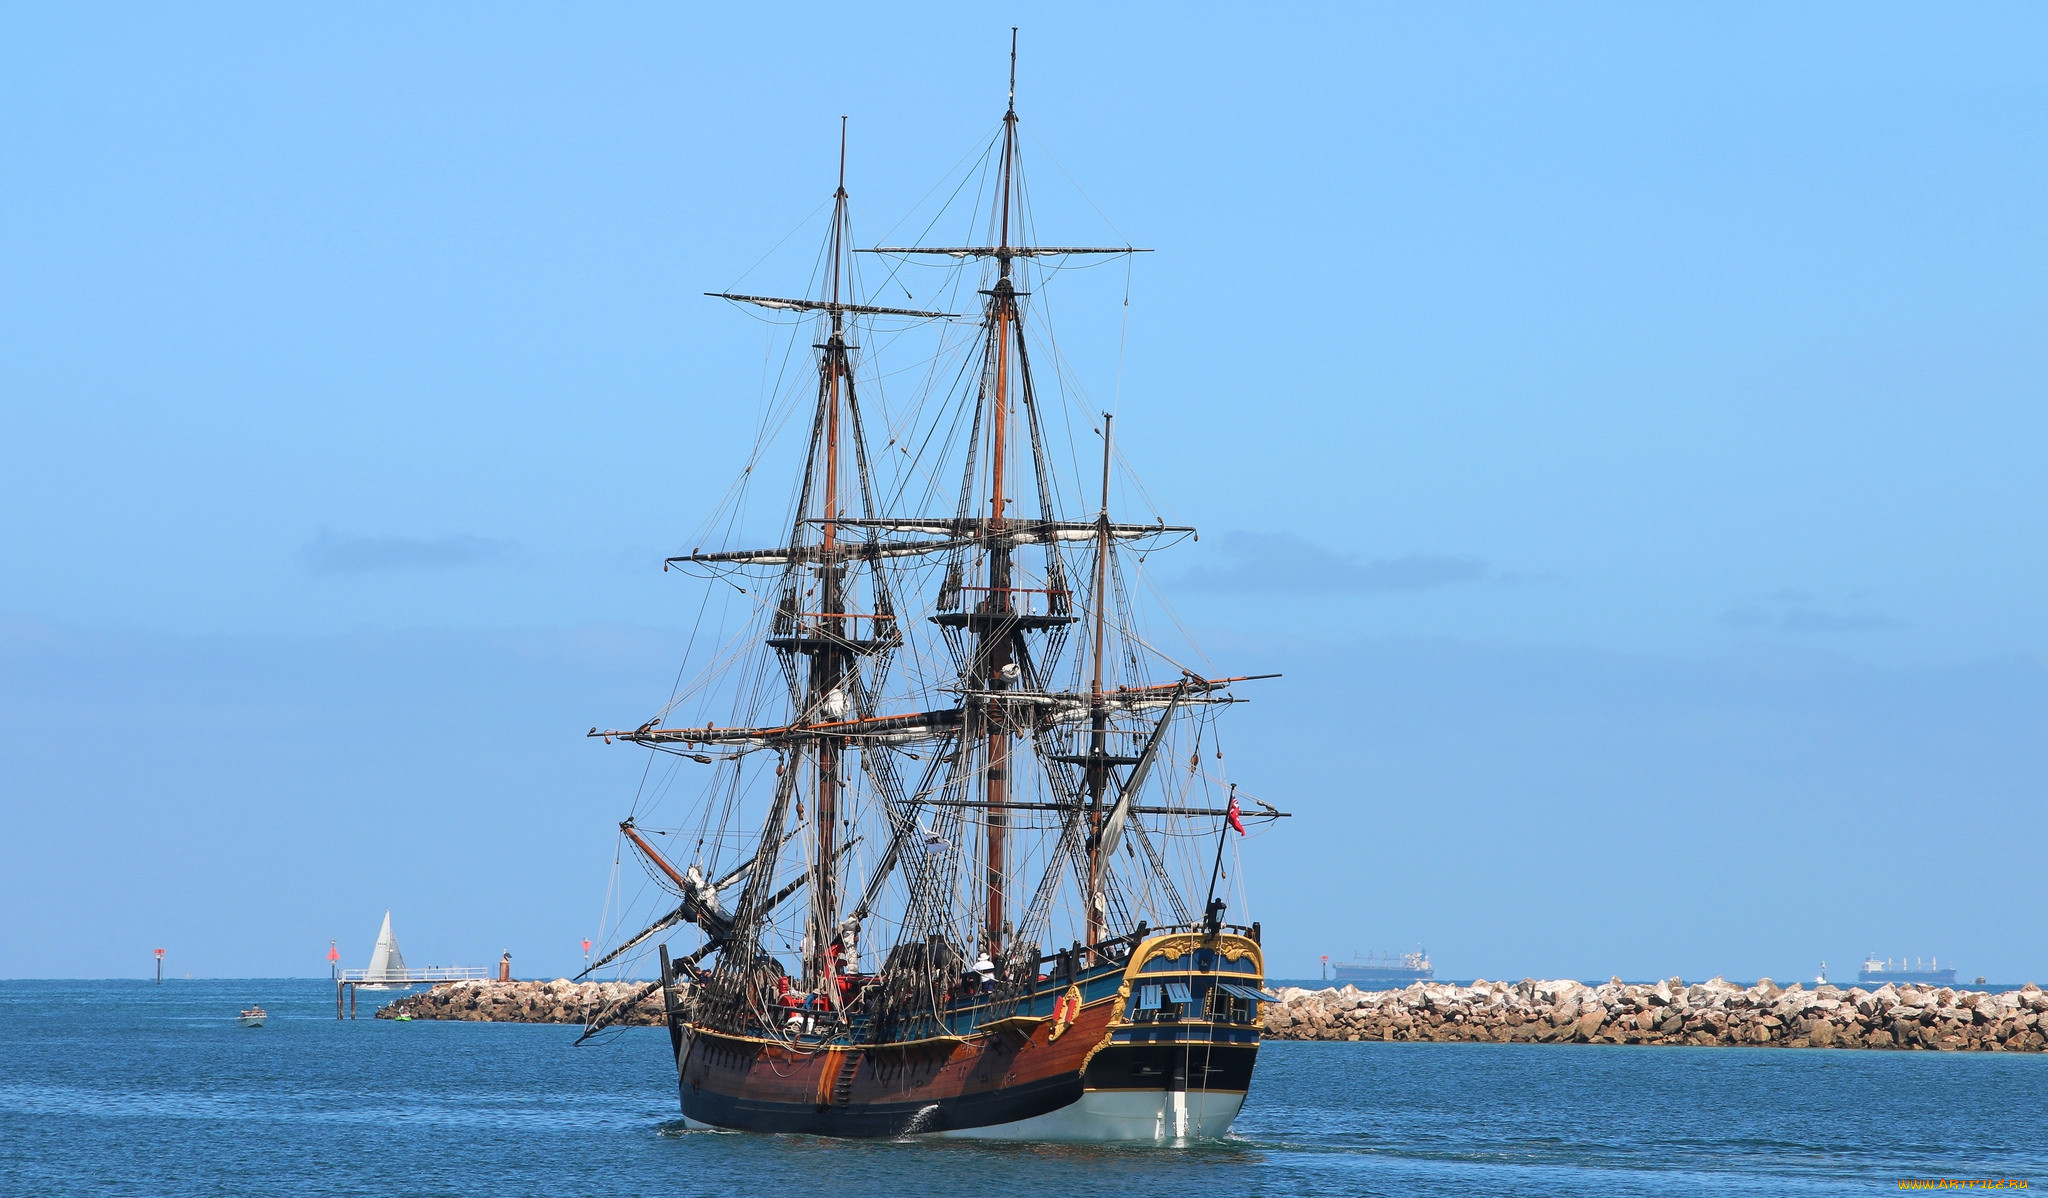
x=1209 y=907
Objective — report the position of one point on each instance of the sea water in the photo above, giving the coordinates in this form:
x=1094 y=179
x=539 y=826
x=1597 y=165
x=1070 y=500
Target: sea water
x=131 y=1088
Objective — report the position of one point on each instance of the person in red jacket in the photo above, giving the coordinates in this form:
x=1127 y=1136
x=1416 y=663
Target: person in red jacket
x=791 y=1002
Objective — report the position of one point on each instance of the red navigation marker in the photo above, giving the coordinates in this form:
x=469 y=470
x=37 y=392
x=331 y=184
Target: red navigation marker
x=333 y=952
x=586 y=947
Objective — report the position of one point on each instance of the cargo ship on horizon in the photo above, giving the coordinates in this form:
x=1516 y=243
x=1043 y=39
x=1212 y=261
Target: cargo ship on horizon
x=1919 y=973
x=1383 y=968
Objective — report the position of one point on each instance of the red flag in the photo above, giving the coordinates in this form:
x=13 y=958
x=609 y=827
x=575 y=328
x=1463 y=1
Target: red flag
x=1233 y=813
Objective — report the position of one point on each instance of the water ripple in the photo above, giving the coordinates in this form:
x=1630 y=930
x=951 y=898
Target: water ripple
x=110 y=1088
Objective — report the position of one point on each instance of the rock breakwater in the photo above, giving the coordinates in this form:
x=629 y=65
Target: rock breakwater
x=559 y=1001
x=1714 y=1012
x=1670 y=1012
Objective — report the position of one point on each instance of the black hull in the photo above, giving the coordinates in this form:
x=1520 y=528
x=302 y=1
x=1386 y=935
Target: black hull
x=882 y=1120
x=1158 y=1068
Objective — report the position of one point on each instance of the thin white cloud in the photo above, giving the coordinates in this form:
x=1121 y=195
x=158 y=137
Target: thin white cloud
x=1277 y=562
x=331 y=553
x=1794 y=611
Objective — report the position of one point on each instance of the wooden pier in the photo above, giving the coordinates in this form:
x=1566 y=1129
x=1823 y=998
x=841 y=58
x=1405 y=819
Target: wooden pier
x=348 y=981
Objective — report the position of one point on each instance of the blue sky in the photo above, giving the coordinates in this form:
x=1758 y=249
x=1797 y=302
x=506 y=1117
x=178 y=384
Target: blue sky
x=1623 y=425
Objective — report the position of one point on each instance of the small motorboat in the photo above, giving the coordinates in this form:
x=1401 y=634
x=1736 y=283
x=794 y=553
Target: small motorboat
x=253 y=1017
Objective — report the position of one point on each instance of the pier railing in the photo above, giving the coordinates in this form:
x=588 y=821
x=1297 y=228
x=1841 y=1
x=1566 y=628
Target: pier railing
x=414 y=977
x=348 y=981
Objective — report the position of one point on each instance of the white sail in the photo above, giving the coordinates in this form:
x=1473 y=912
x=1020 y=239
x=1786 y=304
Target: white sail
x=387 y=964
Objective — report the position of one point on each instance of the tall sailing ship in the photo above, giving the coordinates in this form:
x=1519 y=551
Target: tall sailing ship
x=952 y=870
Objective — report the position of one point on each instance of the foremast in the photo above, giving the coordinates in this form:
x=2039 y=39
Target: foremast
x=819 y=633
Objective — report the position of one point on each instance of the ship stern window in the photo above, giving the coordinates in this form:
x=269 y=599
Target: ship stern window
x=1159 y=1003
x=1224 y=1006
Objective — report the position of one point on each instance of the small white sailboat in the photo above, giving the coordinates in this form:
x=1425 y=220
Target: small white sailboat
x=387 y=964
x=388 y=970
x=253 y=1017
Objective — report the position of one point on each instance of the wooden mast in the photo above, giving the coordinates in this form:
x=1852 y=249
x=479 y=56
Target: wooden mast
x=828 y=664
x=1098 y=712
x=998 y=634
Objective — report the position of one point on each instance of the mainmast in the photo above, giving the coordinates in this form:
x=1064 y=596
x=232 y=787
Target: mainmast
x=998 y=660
x=996 y=652
x=828 y=664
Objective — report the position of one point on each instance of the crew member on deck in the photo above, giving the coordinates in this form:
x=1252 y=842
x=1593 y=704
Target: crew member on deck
x=791 y=1002
x=847 y=944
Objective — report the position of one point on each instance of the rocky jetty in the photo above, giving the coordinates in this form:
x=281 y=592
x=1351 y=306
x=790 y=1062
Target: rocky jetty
x=1670 y=1012
x=559 y=1001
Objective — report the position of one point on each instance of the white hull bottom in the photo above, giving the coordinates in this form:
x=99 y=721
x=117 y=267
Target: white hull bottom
x=1124 y=1115
x=1142 y=1116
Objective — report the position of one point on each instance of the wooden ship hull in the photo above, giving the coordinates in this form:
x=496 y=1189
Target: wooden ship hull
x=1014 y=1070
